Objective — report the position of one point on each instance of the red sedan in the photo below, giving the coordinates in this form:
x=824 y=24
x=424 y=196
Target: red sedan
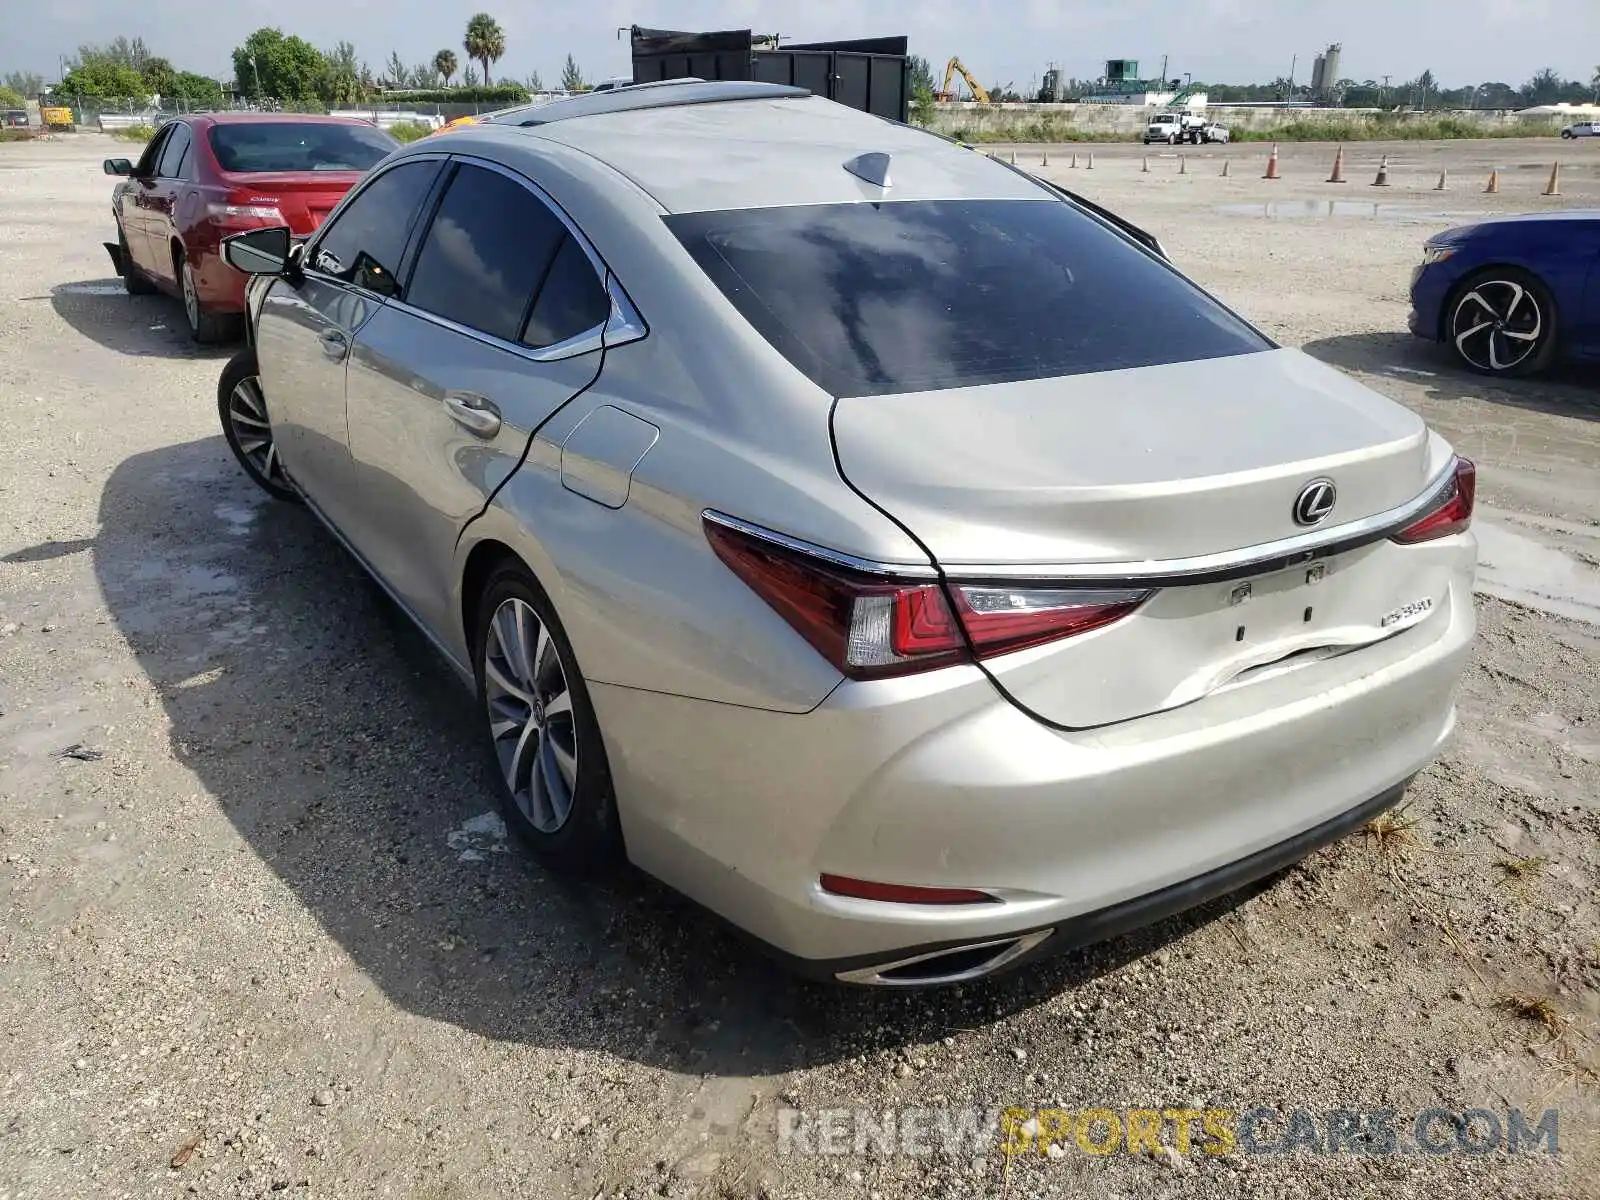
x=202 y=178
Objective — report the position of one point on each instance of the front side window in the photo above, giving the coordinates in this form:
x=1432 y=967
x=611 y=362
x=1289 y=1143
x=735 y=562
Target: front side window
x=254 y=147
x=871 y=299
x=486 y=253
x=363 y=244
x=152 y=153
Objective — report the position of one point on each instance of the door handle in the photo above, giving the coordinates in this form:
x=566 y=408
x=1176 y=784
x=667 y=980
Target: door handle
x=334 y=342
x=475 y=413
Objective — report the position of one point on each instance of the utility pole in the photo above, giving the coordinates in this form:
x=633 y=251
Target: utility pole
x=1293 y=63
x=1163 y=70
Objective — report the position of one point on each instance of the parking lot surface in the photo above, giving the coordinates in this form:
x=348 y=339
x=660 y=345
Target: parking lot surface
x=263 y=934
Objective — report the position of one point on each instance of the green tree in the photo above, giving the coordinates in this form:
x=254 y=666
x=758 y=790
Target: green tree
x=10 y=97
x=445 y=63
x=535 y=82
x=100 y=78
x=196 y=89
x=396 y=71
x=469 y=77
x=1594 y=82
x=424 y=77
x=28 y=84
x=485 y=42
x=160 y=78
x=341 y=80
x=571 y=76
x=286 y=68
x=921 y=90
x=1543 y=88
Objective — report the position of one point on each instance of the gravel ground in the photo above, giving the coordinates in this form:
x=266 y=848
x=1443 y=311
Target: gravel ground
x=260 y=935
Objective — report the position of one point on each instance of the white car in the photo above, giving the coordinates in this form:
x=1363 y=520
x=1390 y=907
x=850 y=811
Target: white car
x=1212 y=131
x=1581 y=129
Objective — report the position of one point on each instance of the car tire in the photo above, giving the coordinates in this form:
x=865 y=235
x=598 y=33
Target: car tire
x=134 y=280
x=1502 y=322
x=247 y=426
x=1568 y=135
x=205 y=327
x=545 y=749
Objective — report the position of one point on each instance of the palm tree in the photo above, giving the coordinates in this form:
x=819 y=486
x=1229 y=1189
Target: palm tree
x=485 y=41
x=445 y=63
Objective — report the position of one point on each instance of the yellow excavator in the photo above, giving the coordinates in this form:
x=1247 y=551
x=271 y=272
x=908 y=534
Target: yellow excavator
x=979 y=92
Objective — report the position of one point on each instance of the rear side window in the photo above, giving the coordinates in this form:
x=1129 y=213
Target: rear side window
x=260 y=146
x=872 y=299
x=174 y=152
x=572 y=300
x=363 y=244
x=486 y=253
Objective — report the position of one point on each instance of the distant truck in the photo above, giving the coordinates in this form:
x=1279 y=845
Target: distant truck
x=1175 y=127
x=1582 y=129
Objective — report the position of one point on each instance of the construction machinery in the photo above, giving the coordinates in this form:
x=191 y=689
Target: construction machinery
x=951 y=68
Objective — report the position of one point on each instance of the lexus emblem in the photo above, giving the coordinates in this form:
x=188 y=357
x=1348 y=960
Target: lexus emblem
x=1315 y=502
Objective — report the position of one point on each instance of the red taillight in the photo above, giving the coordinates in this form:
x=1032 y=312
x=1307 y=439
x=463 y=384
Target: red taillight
x=1452 y=514
x=870 y=626
x=900 y=893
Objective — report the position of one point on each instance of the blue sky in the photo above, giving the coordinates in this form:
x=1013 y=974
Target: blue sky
x=1462 y=41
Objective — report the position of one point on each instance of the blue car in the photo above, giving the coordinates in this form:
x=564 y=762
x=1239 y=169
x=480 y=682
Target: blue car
x=1511 y=295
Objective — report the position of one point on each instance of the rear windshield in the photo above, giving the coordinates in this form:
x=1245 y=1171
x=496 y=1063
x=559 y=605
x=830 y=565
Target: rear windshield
x=298 y=146
x=870 y=299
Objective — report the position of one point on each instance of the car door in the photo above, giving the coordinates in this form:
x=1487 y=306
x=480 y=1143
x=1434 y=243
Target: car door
x=133 y=207
x=161 y=200
x=307 y=322
x=499 y=326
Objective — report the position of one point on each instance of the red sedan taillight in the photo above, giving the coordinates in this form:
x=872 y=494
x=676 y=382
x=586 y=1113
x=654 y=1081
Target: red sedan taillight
x=242 y=207
x=871 y=626
x=1453 y=513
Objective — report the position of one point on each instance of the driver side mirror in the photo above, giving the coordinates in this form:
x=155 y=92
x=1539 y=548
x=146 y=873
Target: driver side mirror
x=259 y=251
x=117 y=166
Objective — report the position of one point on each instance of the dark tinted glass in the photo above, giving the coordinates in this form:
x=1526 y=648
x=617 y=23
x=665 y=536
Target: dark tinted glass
x=868 y=299
x=298 y=146
x=572 y=300
x=172 y=153
x=152 y=152
x=485 y=253
x=364 y=243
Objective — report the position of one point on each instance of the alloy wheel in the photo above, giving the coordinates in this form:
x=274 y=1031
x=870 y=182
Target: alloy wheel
x=530 y=715
x=191 y=298
x=1497 y=325
x=247 y=414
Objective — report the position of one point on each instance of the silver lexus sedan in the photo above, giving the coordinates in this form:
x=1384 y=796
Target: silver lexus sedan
x=891 y=552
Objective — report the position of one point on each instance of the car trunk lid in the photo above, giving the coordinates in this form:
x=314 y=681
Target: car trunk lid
x=304 y=198
x=1152 y=474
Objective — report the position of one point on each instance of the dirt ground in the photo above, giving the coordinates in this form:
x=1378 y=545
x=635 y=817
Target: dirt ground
x=259 y=935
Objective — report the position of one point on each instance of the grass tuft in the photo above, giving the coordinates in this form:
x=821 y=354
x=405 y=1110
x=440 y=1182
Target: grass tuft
x=134 y=133
x=1536 y=1009
x=409 y=131
x=1390 y=833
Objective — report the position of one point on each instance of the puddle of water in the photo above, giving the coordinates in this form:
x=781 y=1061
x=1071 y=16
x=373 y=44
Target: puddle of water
x=1302 y=210
x=1514 y=567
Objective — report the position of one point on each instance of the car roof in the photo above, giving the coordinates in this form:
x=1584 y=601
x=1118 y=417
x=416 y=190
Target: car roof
x=701 y=146
x=246 y=118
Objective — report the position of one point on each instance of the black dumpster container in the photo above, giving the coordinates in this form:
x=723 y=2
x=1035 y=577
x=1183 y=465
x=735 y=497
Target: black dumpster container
x=871 y=74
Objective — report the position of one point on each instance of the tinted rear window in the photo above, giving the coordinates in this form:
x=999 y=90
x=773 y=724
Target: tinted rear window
x=870 y=299
x=261 y=146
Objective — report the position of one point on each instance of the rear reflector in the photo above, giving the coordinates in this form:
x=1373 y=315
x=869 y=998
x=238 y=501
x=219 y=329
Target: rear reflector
x=871 y=626
x=1453 y=513
x=899 y=893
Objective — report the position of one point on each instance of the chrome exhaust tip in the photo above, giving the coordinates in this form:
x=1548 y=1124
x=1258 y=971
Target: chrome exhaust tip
x=955 y=964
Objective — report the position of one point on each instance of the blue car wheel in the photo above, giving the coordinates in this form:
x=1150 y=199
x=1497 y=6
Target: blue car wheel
x=1502 y=322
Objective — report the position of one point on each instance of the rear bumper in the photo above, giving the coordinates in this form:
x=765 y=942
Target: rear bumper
x=939 y=781
x=221 y=288
x=1130 y=915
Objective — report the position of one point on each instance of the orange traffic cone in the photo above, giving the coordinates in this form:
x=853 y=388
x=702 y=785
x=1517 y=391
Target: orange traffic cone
x=1183 y=165
x=1492 y=188
x=1013 y=158
x=1145 y=170
x=1440 y=186
x=1224 y=168
x=1553 y=188
x=1045 y=161
x=1272 y=163
x=1383 y=173
x=1074 y=164
x=1337 y=175
x=1090 y=167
